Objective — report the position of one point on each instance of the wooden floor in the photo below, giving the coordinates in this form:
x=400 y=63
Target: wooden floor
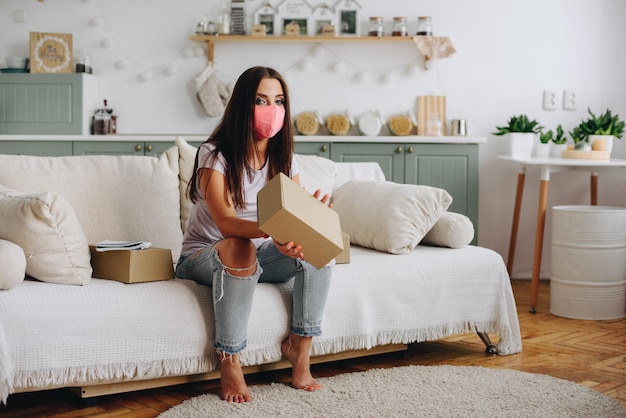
x=592 y=353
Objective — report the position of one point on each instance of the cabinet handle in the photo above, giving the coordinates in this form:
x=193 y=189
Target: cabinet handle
x=138 y=147
x=410 y=150
x=149 y=148
x=324 y=148
x=399 y=150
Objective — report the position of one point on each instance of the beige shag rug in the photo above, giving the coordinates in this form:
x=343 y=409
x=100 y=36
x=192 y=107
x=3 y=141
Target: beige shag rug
x=416 y=391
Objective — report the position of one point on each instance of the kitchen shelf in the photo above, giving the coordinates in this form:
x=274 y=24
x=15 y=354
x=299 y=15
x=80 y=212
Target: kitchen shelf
x=212 y=40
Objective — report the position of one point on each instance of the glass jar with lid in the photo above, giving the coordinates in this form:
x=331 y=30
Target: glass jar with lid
x=434 y=126
x=375 y=26
x=399 y=26
x=424 y=26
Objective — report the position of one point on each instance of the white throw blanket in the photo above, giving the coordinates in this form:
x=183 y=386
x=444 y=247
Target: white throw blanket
x=61 y=335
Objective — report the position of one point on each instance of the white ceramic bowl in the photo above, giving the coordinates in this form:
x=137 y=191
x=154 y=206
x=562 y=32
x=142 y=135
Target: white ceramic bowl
x=16 y=62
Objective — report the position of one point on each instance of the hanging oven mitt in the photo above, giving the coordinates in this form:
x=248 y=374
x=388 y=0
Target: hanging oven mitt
x=211 y=92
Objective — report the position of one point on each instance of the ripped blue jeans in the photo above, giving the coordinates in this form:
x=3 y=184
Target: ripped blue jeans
x=233 y=295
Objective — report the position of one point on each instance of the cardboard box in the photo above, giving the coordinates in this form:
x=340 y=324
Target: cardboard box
x=133 y=266
x=287 y=212
x=344 y=256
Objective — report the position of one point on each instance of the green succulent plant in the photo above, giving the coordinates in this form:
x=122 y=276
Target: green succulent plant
x=519 y=123
x=559 y=138
x=604 y=124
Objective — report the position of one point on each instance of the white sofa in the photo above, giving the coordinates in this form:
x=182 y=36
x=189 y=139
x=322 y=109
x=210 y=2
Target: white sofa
x=66 y=329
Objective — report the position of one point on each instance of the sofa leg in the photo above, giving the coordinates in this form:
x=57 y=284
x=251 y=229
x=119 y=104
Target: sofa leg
x=491 y=347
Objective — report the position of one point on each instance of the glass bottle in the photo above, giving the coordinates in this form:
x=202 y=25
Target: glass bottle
x=210 y=28
x=434 y=126
x=376 y=26
x=200 y=28
x=424 y=26
x=399 y=26
x=223 y=22
x=83 y=62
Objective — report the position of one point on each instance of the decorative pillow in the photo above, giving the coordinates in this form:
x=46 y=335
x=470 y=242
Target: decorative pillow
x=186 y=160
x=13 y=262
x=452 y=230
x=316 y=173
x=388 y=216
x=117 y=197
x=45 y=226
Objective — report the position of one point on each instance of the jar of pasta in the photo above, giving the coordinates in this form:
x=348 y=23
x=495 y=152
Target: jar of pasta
x=338 y=124
x=400 y=124
x=307 y=123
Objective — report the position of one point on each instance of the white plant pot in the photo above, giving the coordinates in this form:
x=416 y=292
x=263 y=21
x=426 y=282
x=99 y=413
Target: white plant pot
x=557 y=150
x=521 y=144
x=542 y=150
x=599 y=146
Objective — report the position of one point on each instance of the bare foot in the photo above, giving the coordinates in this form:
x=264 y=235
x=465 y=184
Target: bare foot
x=234 y=388
x=297 y=350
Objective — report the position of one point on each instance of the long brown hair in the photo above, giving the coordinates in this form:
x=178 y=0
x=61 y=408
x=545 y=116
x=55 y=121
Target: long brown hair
x=234 y=136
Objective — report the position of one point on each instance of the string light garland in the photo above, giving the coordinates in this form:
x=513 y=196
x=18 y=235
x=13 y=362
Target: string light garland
x=145 y=73
x=126 y=61
x=361 y=74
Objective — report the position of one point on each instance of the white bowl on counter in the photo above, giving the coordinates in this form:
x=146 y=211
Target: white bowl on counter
x=16 y=62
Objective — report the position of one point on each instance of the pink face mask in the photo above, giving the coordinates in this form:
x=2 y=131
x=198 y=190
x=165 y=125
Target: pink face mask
x=268 y=120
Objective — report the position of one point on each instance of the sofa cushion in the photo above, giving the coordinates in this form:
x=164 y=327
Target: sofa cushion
x=13 y=262
x=45 y=226
x=117 y=197
x=452 y=230
x=388 y=216
x=316 y=173
x=186 y=160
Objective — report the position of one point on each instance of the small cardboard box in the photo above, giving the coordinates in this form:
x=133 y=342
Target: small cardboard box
x=287 y=212
x=344 y=256
x=133 y=266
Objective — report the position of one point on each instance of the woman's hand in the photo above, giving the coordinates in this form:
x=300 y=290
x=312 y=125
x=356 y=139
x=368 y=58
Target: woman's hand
x=290 y=249
x=325 y=199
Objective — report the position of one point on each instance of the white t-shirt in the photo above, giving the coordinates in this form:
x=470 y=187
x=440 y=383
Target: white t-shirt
x=201 y=229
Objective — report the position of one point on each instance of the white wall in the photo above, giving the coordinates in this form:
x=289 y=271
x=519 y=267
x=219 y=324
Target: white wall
x=508 y=53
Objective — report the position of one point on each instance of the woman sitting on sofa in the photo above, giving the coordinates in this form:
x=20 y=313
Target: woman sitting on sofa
x=223 y=246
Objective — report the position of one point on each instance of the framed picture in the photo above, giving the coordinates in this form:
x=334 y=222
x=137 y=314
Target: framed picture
x=291 y=12
x=266 y=16
x=51 y=53
x=347 y=12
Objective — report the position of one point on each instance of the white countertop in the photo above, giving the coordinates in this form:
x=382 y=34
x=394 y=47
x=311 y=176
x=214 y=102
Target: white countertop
x=298 y=138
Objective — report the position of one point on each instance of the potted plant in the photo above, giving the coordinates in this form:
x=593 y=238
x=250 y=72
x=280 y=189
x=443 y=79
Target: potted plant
x=521 y=132
x=551 y=144
x=599 y=130
x=542 y=149
x=559 y=142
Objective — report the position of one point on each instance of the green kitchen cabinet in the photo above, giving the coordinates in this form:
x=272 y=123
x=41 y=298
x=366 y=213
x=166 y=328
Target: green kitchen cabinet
x=389 y=156
x=47 y=104
x=321 y=149
x=154 y=148
x=40 y=148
